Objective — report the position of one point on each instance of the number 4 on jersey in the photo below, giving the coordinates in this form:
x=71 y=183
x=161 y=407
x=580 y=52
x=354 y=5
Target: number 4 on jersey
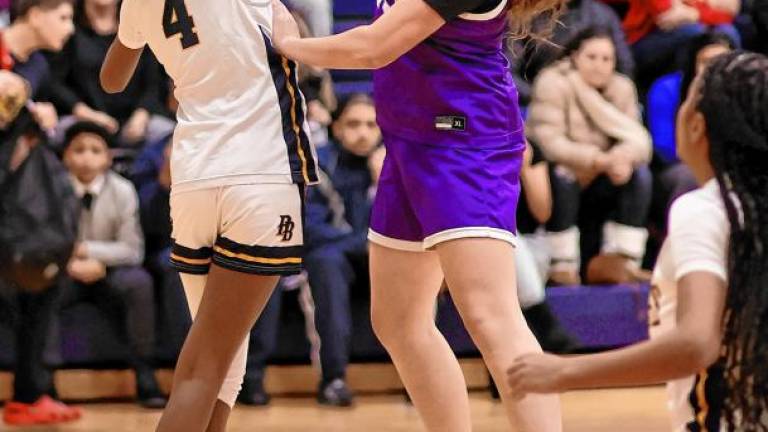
x=176 y=20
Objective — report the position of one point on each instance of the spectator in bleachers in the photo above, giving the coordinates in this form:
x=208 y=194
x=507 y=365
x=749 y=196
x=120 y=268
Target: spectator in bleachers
x=317 y=87
x=529 y=57
x=106 y=266
x=338 y=214
x=586 y=119
x=152 y=176
x=31 y=402
x=337 y=219
x=76 y=90
x=656 y=30
x=38 y=25
x=664 y=98
x=533 y=211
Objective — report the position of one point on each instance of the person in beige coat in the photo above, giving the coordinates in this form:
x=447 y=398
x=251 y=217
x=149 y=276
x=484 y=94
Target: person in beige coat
x=586 y=119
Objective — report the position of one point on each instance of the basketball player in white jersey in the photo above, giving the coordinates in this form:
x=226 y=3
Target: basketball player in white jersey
x=241 y=158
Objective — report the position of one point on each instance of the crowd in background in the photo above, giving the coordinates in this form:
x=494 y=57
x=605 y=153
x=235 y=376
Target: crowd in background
x=601 y=171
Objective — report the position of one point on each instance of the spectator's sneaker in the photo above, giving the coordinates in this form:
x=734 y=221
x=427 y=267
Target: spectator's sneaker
x=148 y=391
x=335 y=393
x=253 y=393
x=615 y=269
x=44 y=411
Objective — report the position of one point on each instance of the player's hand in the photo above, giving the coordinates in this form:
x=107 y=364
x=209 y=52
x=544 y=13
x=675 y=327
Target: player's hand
x=284 y=27
x=536 y=373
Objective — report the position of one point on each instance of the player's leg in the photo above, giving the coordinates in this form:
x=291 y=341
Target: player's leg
x=481 y=276
x=230 y=305
x=194 y=286
x=404 y=287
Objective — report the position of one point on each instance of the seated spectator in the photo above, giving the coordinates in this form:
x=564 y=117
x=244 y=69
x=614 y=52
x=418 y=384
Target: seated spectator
x=657 y=29
x=533 y=211
x=586 y=119
x=106 y=266
x=76 y=90
x=152 y=176
x=664 y=98
x=529 y=57
x=317 y=87
x=335 y=239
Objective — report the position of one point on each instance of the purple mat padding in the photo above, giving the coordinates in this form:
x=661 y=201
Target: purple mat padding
x=598 y=316
x=603 y=316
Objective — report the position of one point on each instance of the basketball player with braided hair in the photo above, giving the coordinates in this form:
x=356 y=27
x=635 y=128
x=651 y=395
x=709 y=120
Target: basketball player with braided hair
x=709 y=306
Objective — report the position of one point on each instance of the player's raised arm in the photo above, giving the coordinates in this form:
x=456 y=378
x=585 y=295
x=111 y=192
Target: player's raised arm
x=118 y=67
x=371 y=46
x=124 y=54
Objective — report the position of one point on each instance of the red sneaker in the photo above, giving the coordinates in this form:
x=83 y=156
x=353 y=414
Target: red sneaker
x=44 y=411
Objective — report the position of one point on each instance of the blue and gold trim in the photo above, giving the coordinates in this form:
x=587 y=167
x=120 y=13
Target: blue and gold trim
x=259 y=260
x=284 y=76
x=192 y=261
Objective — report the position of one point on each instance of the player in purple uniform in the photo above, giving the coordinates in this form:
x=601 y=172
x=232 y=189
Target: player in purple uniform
x=446 y=202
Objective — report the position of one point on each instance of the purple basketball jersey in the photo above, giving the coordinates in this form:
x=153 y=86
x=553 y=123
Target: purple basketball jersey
x=453 y=89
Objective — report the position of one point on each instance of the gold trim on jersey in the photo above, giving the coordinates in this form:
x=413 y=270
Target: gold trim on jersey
x=259 y=260
x=294 y=122
x=192 y=261
x=701 y=395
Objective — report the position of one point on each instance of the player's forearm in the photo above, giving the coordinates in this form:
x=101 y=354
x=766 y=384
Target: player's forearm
x=671 y=356
x=354 y=49
x=118 y=67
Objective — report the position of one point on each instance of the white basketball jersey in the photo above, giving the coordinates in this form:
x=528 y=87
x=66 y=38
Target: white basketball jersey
x=241 y=116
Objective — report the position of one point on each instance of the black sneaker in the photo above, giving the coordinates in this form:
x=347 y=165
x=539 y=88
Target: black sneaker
x=253 y=393
x=148 y=392
x=335 y=393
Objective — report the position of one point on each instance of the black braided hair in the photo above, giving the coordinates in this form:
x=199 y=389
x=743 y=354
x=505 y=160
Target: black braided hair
x=734 y=102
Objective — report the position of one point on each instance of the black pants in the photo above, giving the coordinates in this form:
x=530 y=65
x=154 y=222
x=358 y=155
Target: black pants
x=126 y=295
x=32 y=378
x=332 y=271
x=626 y=205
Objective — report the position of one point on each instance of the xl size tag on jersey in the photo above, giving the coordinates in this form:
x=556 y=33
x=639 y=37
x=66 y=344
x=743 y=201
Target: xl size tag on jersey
x=451 y=123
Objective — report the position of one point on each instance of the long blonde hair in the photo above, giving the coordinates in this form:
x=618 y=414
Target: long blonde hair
x=523 y=13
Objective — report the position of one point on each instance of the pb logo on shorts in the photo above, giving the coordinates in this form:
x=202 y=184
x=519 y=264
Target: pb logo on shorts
x=285 y=229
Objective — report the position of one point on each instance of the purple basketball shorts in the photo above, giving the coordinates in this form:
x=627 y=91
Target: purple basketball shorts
x=432 y=194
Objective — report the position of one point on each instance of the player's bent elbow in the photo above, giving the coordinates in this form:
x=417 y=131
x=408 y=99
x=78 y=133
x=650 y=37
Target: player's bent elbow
x=700 y=351
x=110 y=84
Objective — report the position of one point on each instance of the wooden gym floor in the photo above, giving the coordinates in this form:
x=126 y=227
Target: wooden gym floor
x=378 y=407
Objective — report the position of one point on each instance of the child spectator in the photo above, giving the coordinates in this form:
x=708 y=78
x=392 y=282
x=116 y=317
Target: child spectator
x=106 y=266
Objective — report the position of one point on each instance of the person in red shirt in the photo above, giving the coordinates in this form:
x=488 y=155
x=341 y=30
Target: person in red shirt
x=657 y=28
